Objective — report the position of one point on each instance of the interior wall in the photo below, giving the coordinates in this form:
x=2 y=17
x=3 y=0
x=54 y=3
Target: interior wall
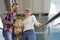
x=37 y=6
x=2 y=6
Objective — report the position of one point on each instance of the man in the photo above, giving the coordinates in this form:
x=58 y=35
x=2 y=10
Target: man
x=8 y=20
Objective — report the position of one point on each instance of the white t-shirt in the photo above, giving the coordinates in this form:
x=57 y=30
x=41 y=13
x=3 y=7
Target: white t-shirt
x=1 y=24
x=29 y=23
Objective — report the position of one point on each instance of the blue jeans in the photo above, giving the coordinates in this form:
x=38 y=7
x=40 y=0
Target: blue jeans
x=8 y=36
x=29 y=35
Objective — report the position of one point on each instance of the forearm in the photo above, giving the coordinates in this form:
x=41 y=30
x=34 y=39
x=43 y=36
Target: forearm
x=8 y=22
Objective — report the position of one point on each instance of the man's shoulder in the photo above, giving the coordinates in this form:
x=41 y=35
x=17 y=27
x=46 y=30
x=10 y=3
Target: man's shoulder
x=7 y=12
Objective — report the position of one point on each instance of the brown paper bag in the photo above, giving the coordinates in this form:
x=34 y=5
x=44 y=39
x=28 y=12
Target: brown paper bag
x=18 y=27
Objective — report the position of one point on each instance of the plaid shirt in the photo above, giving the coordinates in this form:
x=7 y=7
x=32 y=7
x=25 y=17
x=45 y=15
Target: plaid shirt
x=8 y=17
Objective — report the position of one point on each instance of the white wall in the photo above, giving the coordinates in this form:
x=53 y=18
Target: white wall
x=37 y=6
x=34 y=5
x=2 y=6
x=46 y=6
x=57 y=4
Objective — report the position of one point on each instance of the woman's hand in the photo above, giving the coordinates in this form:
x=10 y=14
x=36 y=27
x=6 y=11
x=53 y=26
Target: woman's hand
x=41 y=25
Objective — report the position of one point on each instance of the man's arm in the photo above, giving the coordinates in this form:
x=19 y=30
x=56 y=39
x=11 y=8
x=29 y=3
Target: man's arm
x=4 y=19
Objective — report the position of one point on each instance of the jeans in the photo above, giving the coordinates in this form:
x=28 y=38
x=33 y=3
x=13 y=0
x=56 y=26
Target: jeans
x=29 y=35
x=8 y=36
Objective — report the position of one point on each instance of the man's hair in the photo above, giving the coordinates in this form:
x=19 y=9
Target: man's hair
x=14 y=4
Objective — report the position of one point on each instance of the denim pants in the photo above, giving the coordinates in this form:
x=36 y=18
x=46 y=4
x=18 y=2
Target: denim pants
x=29 y=35
x=8 y=36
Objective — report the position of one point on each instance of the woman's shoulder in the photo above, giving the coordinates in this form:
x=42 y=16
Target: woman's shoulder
x=33 y=16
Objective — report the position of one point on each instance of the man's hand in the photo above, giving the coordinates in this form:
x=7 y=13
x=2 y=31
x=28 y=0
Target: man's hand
x=10 y=23
x=41 y=25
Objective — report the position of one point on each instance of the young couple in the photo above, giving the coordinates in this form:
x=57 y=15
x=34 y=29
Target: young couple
x=9 y=18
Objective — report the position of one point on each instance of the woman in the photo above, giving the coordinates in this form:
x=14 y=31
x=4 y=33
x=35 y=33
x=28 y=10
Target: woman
x=30 y=20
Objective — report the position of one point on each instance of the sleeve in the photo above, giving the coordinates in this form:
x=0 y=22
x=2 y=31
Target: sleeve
x=3 y=17
x=4 y=20
x=35 y=21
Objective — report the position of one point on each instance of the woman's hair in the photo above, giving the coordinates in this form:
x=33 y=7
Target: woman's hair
x=28 y=10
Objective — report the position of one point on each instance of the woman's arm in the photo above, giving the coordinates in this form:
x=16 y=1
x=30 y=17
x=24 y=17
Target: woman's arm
x=36 y=22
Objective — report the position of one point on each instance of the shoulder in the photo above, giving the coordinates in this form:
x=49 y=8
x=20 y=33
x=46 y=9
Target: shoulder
x=33 y=16
x=7 y=12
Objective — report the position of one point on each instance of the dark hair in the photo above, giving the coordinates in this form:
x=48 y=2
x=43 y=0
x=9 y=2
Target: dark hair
x=14 y=4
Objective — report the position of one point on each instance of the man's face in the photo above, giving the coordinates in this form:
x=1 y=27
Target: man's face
x=15 y=8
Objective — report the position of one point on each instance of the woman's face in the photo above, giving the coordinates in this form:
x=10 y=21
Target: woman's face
x=27 y=14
